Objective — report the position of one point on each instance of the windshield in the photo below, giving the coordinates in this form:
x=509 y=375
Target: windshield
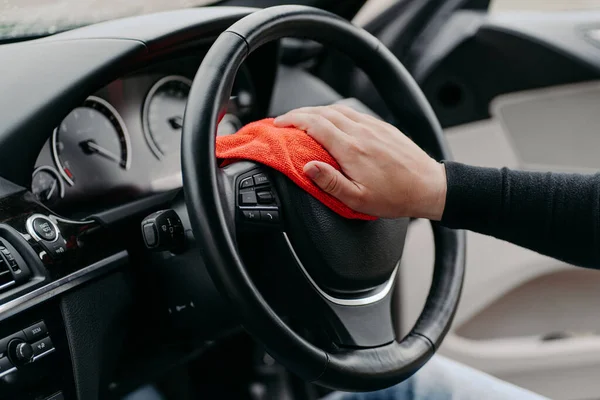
x=26 y=18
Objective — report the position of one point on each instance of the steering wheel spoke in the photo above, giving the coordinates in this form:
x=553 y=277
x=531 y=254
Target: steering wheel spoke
x=358 y=321
x=253 y=202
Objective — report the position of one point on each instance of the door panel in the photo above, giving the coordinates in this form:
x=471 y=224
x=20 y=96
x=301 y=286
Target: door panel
x=522 y=90
x=523 y=317
x=553 y=128
x=477 y=57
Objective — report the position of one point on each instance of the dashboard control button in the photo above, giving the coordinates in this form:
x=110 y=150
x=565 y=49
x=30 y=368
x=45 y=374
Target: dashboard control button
x=24 y=352
x=5 y=365
x=20 y=352
x=260 y=179
x=42 y=346
x=44 y=228
x=264 y=197
x=163 y=230
x=34 y=332
x=269 y=216
x=246 y=183
x=251 y=215
x=4 y=342
x=46 y=233
x=55 y=249
x=150 y=235
x=248 y=197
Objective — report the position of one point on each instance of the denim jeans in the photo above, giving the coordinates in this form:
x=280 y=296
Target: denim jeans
x=439 y=379
x=444 y=379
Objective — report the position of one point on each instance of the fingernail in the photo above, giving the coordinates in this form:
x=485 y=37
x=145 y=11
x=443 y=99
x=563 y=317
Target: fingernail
x=312 y=171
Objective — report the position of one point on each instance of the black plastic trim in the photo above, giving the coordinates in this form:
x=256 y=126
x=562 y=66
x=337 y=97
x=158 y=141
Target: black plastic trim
x=62 y=285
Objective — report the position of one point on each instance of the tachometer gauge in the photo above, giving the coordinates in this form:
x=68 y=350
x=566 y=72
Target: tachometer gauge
x=90 y=139
x=46 y=185
x=163 y=114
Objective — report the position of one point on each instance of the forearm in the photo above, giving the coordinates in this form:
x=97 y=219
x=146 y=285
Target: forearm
x=554 y=214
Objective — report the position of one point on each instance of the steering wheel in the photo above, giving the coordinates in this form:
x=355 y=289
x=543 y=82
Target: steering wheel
x=340 y=273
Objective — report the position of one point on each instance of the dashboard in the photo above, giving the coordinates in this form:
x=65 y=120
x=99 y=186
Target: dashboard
x=123 y=142
x=90 y=150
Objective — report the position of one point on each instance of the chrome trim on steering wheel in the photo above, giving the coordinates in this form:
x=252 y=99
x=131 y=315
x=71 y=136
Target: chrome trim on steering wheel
x=361 y=301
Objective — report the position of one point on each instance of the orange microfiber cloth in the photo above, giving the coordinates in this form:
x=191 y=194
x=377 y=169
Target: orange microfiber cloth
x=287 y=150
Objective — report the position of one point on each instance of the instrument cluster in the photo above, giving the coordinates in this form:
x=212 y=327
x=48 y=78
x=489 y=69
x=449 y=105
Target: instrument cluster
x=123 y=142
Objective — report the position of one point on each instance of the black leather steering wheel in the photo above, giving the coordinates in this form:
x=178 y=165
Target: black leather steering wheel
x=342 y=270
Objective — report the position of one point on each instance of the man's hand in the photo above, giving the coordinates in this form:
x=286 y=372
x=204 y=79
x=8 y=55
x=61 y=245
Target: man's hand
x=383 y=173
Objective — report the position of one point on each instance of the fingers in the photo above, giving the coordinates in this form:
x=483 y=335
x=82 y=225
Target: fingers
x=346 y=119
x=320 y=128
x=359 y=117
x=333 y=182
x=341 y=121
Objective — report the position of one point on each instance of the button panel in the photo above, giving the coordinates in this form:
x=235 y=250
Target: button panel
x=35 y=335
x=257 y=201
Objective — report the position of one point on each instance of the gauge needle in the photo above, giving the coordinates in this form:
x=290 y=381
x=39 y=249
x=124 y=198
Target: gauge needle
x=176 y=122
x=52 y=188
x=91 y=147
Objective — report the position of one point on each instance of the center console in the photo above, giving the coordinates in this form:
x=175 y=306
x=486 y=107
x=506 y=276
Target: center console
x=41 y=257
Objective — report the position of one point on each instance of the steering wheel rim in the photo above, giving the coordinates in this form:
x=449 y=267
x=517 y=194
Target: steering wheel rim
x=358 y=370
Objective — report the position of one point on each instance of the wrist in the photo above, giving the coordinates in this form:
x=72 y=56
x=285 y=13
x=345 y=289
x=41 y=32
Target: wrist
x=434 y=200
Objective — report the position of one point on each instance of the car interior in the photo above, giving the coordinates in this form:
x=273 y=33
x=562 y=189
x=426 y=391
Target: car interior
x=133 y=263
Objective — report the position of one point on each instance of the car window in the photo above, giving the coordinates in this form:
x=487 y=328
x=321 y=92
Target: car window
x=24 y=18
x=543 y=5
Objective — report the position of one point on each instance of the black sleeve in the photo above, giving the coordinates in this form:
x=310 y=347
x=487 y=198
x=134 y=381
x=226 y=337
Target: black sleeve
x=554 y=214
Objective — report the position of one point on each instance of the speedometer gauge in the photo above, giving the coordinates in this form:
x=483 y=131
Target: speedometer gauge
x=92 y=138
x=163 y=114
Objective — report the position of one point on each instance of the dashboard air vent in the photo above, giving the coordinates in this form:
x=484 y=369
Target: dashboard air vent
x=6 y=277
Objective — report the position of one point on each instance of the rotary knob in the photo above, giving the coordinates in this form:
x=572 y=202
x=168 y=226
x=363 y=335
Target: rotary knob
x=20 y=352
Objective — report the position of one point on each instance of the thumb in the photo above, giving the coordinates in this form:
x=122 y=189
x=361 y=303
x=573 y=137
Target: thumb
x=332 y=181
